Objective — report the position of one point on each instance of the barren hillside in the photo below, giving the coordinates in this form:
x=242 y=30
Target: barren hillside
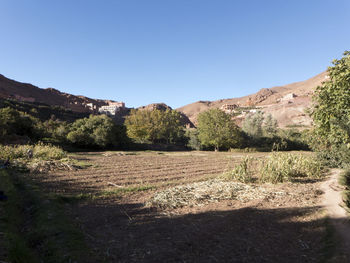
x=28 y=92
x=286 y=103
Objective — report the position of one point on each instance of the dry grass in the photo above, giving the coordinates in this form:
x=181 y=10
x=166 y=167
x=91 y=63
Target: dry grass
x=38 y=151
x=205 y=192
x=276 y=167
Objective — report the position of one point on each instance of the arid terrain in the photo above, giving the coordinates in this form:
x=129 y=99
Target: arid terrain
x=11 y=89
x=108 y=200
x=287 y=104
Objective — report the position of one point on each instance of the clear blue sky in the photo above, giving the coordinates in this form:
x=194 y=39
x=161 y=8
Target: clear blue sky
x=172 y=51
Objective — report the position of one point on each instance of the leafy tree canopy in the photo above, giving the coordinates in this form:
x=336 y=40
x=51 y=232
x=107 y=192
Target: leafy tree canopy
x=13 y=122
x=98 y=131
x=155 y=126
x=216 y=129
x=331 y=112
x=256 y=125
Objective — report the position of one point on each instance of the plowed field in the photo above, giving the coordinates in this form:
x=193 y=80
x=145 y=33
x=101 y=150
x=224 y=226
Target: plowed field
x=287 y=226
x=128 y=169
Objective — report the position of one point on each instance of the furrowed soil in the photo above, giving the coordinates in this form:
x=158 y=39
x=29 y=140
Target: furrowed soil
x=109 y=199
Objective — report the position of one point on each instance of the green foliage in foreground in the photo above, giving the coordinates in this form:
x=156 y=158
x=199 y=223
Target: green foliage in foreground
x=36 y=227
x=331 y=114
x=344 y=179
x=155 y=126
x=277 y=167
x=216 y=129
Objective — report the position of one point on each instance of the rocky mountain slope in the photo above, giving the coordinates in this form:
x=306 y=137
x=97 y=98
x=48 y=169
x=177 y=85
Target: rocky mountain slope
x=285 y=103
x=27 y=92
x=11 y=89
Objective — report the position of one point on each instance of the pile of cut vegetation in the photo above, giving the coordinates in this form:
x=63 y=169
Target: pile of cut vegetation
x=205 y=192
x=43 y=166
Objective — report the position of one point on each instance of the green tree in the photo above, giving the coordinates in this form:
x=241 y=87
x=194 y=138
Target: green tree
x=155 y=126
x=270 y=125
x=253 y=124
x=193 y=140
x=139 y=125
x=13 y=122
x=331 y=113
x=216 y=129
x=95 y=131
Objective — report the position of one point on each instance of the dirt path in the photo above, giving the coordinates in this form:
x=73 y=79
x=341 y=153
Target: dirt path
x=332 y=201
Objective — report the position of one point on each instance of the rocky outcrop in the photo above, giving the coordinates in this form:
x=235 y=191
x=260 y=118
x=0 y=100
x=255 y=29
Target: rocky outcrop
x=155 y=106
x=258 y=97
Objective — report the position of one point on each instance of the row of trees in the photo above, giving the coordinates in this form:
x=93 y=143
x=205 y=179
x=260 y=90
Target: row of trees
x=93 y=132
x=96 y=131
x=216 y=130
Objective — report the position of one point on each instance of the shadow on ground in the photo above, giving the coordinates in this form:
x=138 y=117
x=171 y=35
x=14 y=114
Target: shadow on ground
x=130 y=233
x=123 y=230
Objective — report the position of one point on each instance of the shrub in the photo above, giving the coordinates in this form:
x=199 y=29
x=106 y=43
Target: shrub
x=346 y=198
x=14 y=152
x=344 y=180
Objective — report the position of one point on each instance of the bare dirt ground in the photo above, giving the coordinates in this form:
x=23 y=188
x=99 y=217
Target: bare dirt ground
x=127 y=169
x=338 y=217
x=288 y=226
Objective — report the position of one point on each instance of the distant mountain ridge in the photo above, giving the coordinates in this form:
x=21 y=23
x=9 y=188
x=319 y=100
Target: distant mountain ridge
x=285 y=103
x=11 y=89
